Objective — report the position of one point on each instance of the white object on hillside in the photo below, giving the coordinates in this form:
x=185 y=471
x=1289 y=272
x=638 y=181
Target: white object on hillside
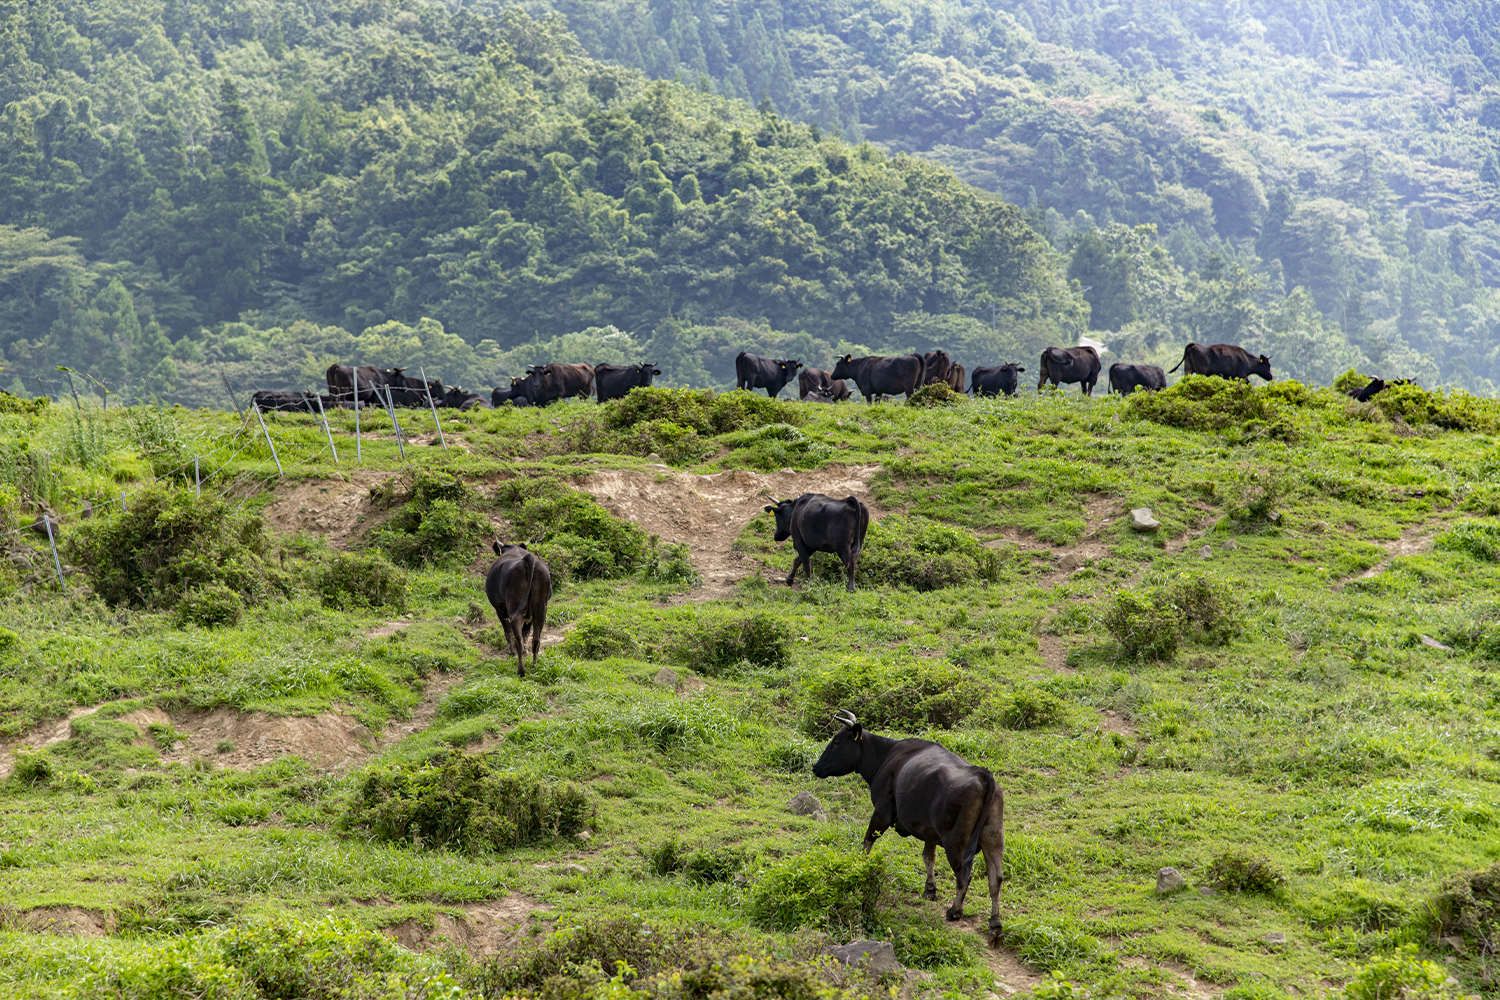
x=1091 y=342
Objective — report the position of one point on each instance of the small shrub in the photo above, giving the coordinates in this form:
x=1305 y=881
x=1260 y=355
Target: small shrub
x=1209 y=403
x=936 y=394
x=577 y=537
x=713 y=865
x=665 y=859
x=1479 y=539
x=1049 y=942
x=168 y=544
x=775 y=446
x=212 y=605
x=840 y=891
x=1456 y=410
x=1033 y=708
x=434 y=520
x=1146 y=626
x=1468 y=905
x=723 y=643
x=32 y=767
x=1242 y=871
x=669 y=563
x=1399 y=976
x=1350 y=382
x=916 y=552
x=460 y=799
x=1207 y=608
x=907 y=697
x=596 y=637
x=360 y=580
x=676 y=424
x=931 y=947
x=243 y=812
x=1251 y=498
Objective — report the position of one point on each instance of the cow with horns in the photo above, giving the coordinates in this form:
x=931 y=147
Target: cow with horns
x=929 y=792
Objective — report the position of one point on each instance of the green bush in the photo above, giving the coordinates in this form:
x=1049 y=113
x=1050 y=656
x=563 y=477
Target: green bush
x=1480 y=539
x=459 y=799
x=705 y=866
x=675 y=424
x=905 y=697
x=596 y=637
x=1455 y=410
x=936 y=394
x=916 y=552
x=360 y=580
x=168 y=544
x=577 y=537
x=1399 y=976
x=1350 y=382
x=670 y=563
x=32 y=767
x=839 y=891
x=1209 y=403
x=434 y=520
x=1033 y=708
x=1150 y=624
x=775 y=446
x=720 y=642
x=1243 y=871
x=212 y=605
x=931 y=947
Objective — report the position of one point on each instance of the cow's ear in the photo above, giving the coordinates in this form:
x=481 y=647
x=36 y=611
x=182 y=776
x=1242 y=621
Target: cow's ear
x=858 y=730
x=1020 y=369
x=496 y=546
x=771 y=510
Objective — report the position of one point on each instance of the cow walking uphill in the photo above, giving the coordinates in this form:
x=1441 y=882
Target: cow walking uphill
x=519 y=585
x=1070 y=364
x=1223 y=360
x=818 y=523
x=926 y=791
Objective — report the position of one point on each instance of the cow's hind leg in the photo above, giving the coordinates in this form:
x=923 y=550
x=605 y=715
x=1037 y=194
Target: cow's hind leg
x=849 y=557
x=536 y=641
x=515 y=628
x=929 y=857
x=955 y=851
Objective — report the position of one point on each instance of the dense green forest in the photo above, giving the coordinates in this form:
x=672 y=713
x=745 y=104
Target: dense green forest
x=256 y=190
x=1344 y=148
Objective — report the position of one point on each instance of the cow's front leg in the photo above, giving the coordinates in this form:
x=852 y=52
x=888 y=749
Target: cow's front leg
x=874 y=830
x=929 y=858
x=791 y=578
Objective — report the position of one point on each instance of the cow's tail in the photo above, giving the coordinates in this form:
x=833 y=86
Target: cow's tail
x=1184 y=358
x=966 y=863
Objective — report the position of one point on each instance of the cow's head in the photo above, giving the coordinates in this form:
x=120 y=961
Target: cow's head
x=843 y=367
x=500 y=549
x=1263 y=368
x=783 y=511
x=789 y=366
x=843 y=753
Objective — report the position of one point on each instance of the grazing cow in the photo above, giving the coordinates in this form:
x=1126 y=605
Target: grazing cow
x=614 y=381
x=926 y=791
x=1070 y=364
x=1126 y=379
x=560 y=381
x=935 y=365
x=877 y=375
x=1223 y=360
x=519 y=585
x=818 y=523
x=751 y=371
x=956 y=377
x=995 y=380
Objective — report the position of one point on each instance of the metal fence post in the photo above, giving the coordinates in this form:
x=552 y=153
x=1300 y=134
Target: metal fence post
x=390 y=407
x=197 y=480
x=267 y=433
x=326 y=429
x=359 y=452
x=52 y=541
x=232 y=401
x=428 y=386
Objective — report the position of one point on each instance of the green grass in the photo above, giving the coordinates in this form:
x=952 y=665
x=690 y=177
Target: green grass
x=1318 y=766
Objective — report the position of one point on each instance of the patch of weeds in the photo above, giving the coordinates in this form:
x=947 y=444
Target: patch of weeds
x=1456 y=410
x=211 y=605
x=460 y=799
x=775 y=446
x=916 y=552
x=930 y=947
x=426 y=648
x=840 y=891
x=242 y=812
x=1479 y=539
x=1150 y=624
x=434 y=520
x=577 y=537
x=597 y=637
x=936 y=394
x=1251 y=498
x=1468 y=904
x=360 y=579
x=1400 y=974
x=170 y=543
x=674 y=424
x=1208 y=403
x=665 y=859
x=904 y=697
x=720 y=642
x=1049 y=942
x=1407 y=806
x=501 y=699
x=1243 y=871
x=1031 y=708
x=669 y=563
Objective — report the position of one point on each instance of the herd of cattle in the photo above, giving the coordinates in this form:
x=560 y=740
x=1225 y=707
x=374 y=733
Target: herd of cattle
x=876 y=377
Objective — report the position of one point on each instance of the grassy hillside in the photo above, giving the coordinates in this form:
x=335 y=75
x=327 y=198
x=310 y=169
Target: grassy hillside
x=266 y=735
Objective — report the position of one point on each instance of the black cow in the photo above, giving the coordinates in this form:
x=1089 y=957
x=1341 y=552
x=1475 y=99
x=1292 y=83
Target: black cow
x=956 y=377
x=820 y=384
x=526 y=390
x=1377 y=386
x=286 y=402
x=751 y=371
x=1125 y=379
x=933 y=794
x=519 y=585
x=818 y=523
x=994 y=380
x=1070 y=364
x=887 y=376
x=341 y=379
x=1223 y=360
x=559 y=381
x=614 y=381
x=819 y=396
x=456 y=398
x=935 y=365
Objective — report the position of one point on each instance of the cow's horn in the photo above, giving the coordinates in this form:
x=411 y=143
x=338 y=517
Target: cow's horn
x=845 y=716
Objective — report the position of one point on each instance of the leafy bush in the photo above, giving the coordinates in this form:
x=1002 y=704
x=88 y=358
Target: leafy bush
x=936 y=394
x=904 y=697
x=1399 y=976
x=1468 y=905
x=596 y=637
x=1150 y=624
x=460 y=799
x=720 y=642
x=1032 y=708
x=1480 y=539
x=570 y=529
x=673 y=423
x=775 y=446
x=1350 y=382
x=360 y=580
x=1455 y=410
x=434 y=520
x=840 y=891
x=168 y=544
x=1209 y=403
x=1242 y=871
x=211 y=606
x=1207 y=608
x=916 y=552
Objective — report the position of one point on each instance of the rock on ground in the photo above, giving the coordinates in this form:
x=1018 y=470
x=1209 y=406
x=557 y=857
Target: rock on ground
x=878 y=957
x=1141 y=519
x=807 y=804
x=1170 y=880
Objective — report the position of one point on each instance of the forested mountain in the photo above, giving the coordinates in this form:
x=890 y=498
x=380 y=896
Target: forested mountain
x=257 y=189
x=1345 y=148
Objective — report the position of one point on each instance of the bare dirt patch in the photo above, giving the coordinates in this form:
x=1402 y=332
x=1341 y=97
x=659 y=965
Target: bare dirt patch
x=709 y=512
x=252 y=739
x=1054 y=653
x=1011 y=975
x=338 y=509
x=64 y=921
x=43 y=736
x=1112 y=722
x=482 y=929
x=1413 y=541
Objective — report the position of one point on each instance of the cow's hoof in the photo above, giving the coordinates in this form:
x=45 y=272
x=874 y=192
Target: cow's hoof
x=997 y=934
x=929 y=893
x=954 y=913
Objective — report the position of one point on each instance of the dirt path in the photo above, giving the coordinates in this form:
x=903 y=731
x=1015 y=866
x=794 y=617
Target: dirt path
x=1413 y=540
x=709 y=512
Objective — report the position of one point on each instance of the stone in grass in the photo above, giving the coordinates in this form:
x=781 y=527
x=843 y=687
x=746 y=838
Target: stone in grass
x=1432 y=643
x=1069 y=561
x=666 y=677
x=574 y=870
x=1141 y=519
x=1207 y=552
x=807 y=804
x=1275 y=939
x=876 y=957
x=1169 y=880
